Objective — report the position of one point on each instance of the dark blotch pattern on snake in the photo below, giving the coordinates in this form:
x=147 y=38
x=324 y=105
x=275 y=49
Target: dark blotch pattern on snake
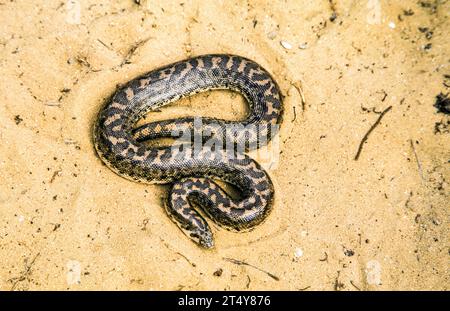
x=191 y=172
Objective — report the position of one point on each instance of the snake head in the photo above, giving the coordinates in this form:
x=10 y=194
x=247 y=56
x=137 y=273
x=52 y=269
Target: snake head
x=204 y=238
x=207 y=240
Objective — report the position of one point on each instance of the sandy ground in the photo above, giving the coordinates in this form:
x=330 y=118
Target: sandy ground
x=377 y=223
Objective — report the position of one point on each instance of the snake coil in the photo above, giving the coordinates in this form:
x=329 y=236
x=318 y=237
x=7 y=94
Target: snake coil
x=190 y=170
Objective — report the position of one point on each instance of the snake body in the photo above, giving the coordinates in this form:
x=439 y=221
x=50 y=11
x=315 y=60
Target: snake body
x=190 y=170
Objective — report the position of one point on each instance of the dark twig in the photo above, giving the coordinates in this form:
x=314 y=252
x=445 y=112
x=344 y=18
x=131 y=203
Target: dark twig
x=104 y=44
x=370 y=131
x=337 y=284
x=132 y=50
x=25 y=275
x=178 y=253
x=298 y=87
x=187 y=259
x=243 y=263
x=351 y=282
x=325 y=258
x=419 y=166
x=304 y=288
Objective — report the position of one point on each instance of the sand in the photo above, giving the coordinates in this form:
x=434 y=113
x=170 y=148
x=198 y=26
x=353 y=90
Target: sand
x=377 y=223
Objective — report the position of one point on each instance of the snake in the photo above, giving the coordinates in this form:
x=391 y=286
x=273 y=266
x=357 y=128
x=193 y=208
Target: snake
x=196 y=165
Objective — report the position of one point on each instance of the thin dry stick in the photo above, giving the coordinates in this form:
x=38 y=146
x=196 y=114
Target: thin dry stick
x=370 y=131
x=132 y=50
x=243 y=263
x=351 y=282
x=417 y=159
x=25 y=274
x=304 y=288
x=297 y=85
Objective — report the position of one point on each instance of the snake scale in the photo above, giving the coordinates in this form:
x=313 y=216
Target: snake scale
x=192 y=171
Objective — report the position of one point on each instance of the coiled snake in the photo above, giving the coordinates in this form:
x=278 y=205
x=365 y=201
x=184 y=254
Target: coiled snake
x=191 y=168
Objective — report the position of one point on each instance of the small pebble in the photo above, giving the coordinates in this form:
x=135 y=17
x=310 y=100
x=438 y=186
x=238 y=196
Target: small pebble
x=373 y=272
x=303 y=46
x=391 y=25
x=73 y=274
x=349 y=252
x=298 y=252
x=218 y=272
x=286 y=45
x=427 y=46
x=18 y=119
x=271 y=35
